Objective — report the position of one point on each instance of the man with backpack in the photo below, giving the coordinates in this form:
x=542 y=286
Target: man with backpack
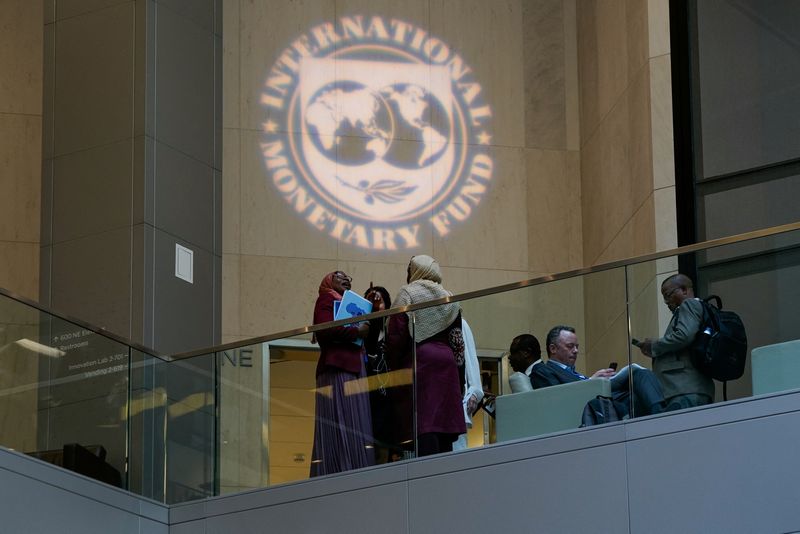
x=683 y=385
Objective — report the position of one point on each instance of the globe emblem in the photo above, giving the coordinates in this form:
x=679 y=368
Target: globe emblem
x=354 y=125
x=418 y=117
x=349 y=123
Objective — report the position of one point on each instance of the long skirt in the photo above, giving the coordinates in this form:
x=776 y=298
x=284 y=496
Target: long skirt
x=342 y=426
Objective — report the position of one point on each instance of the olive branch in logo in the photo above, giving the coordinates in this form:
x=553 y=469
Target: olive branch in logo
x=387 y=191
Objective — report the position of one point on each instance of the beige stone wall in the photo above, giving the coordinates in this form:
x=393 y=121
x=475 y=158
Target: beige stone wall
x=582 y=148
x=627 y=166
x=21 y=42
x=524 y=55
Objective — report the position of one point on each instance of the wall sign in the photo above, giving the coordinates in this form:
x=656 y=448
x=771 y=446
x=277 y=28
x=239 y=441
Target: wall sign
x=375 y=128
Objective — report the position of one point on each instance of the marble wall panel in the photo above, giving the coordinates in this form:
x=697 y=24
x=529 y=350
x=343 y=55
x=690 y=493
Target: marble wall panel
x=49 y=11
x=231 y=295
x=19 y=268
x=279 y=293
x=555 y=236
x=604 y=301
x=488 y=35
x=199 y=12
x=666 y=232
x=73 y=8
x=260 y=48
x=601 y=194
x=269 y=225
x=613 y=47
x=231 y=71
x=616 y=166
x=496 y=319
x=231 y=191
x=94 y=100
x=97 y=291
x=486 y=239
x=48 y=90
x=571 y=83
x=544 y=51
x=184 y=78
x=636 y=30
x=21 y=45
x=602 y=59
x=661 y=121
x=414 y=11
x=20 y=177
x=637 y=237
x=461 y=280
x=184 y=316
x=92 y=191
x=183 y=180
x=658 y=27
x=644 y=315
x=602 y=348
x=556 y=303
x=242 y=422
x=19 y=374
x=393 y=242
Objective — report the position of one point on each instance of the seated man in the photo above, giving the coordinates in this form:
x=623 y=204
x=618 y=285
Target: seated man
x=524 y=354
x=562 y=352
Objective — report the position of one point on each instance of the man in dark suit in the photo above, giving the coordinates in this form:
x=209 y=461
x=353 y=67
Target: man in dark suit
x=683 y=384
x=562 y=351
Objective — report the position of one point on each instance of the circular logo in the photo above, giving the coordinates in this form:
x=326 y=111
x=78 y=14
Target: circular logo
x=375 y=128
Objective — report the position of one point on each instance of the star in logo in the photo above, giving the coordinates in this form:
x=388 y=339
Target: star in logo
x=484 y=138
x=270 y=127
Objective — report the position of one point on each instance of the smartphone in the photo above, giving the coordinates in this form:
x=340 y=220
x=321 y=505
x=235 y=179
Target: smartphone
x=612 y=365
x=635 y=342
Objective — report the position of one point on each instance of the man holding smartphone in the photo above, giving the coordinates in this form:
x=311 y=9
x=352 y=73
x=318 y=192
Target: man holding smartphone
x=683 y=384
x=562 y=352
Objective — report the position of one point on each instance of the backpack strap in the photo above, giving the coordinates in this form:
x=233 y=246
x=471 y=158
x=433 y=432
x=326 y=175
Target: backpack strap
x=715 y=298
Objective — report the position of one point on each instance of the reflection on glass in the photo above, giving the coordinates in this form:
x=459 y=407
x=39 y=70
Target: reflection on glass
x=245 y=382
x=342 y=427
x=147 y=408
x=431 y=342
x=560 y=358
x=190 y=428
x=63 y=393
x=682 y=384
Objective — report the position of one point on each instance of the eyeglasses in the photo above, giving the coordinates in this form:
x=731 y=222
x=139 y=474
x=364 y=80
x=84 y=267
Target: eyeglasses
x=342 y=276
x=669 y=293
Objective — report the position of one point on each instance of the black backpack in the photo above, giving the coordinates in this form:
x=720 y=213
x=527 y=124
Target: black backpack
x=600 y=410
x=719 y=349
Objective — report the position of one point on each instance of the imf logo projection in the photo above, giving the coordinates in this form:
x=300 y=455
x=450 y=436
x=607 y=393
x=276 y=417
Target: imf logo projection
x=375 y=128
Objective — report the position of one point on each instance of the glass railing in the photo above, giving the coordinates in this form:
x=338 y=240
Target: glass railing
x=323 y=399
x=64 y=392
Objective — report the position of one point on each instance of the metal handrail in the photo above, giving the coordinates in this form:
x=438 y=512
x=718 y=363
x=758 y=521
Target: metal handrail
x=756 y=234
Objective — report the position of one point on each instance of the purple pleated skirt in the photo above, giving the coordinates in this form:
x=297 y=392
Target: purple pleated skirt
x=342 y=426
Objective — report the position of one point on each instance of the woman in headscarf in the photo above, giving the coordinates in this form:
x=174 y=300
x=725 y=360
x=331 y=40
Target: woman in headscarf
x=380 y=394
x=439 y=343
x=342 y=425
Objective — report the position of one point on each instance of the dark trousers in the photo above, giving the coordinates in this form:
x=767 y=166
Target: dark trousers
x=434 y=443
x=647 y=396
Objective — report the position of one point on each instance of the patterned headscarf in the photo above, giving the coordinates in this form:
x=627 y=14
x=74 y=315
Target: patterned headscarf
x=326 y=286
x=424 y=268
x=425 y=284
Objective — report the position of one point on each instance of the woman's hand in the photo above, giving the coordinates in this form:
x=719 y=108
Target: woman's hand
x=363 y=330
x=472 y=404
x=377 y=301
